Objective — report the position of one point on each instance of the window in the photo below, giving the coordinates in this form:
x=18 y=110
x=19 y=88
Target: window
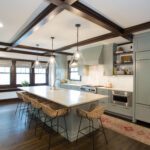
x=40 y=75
x=5 y=75
x=74 y=74
x=22 y=74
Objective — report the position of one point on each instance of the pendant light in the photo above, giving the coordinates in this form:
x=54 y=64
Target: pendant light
x=37 y=64
x=52 y=57
x=77 y=55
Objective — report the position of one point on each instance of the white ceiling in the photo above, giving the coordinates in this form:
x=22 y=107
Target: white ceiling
x=16 y=14
x=62 y=27
x=125 y=13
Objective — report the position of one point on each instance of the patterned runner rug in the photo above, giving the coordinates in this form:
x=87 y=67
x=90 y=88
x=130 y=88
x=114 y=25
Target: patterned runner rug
x=126 y=128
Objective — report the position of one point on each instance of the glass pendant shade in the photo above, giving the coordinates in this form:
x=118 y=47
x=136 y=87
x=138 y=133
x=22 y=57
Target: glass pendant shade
x=77 y=58
x=52 y=60
x=37 y=64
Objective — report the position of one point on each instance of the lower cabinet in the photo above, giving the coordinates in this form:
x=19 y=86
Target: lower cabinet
x=120 y=110
x=71 y=87
x=103 y=101
x=142 y=112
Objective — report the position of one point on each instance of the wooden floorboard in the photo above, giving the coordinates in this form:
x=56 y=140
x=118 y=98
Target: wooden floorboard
x=14 y=135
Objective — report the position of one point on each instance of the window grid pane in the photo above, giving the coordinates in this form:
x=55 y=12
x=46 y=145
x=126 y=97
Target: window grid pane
x=40 y=78
x=22 y=74
x=5 y=75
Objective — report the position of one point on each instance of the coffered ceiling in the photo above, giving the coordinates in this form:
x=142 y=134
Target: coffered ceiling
x=31 y=22
x=62 y=27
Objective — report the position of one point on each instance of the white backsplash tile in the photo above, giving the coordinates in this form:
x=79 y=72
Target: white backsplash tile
x=96 y=77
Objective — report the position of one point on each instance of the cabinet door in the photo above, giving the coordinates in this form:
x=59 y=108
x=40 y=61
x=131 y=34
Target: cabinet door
x=142 y=42
x=143 y=82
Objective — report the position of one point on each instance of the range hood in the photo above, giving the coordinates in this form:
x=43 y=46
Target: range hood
x=93 y=55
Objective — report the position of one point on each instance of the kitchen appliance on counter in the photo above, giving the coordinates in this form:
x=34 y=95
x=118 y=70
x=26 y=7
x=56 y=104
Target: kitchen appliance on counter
x=90 y=88
x=122 y=98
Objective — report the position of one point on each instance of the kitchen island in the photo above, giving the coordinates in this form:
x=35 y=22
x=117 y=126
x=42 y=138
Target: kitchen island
x=68 y=98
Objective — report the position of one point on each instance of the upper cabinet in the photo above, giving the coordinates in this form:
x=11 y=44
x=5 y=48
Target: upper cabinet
x=142 y=42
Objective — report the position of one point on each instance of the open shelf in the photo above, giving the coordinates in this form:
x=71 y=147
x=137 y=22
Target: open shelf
x=123 y=60
x=126 y=63
x=124 y=53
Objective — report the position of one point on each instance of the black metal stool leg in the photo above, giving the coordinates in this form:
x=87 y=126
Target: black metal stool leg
x=103 y=131
x=31 y=117
x=43 y=127
x=93 y=134
x=17 y=107
x=79 y=129
x=37 y=117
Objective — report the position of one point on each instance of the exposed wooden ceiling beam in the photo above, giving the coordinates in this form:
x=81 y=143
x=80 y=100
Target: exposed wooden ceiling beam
x=33 y=53
x=60 y=2
x=33 y=48
x=5 y=44
x=137 y=28
x=88 y=41
x=21 y=52
x=64 y=53
x=91 y=15
x=47 y=14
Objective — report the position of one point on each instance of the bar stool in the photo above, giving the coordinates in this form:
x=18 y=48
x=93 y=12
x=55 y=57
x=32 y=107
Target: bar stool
x=52 y=112
x=26 y=103
x=18 y=108
x=91 y=115
x=35 y=110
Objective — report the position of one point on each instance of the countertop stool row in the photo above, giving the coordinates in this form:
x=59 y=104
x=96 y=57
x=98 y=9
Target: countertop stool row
x=44 y=113
x=48 y=113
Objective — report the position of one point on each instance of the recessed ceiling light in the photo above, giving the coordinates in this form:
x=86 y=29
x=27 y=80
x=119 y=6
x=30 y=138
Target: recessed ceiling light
x=1 y=25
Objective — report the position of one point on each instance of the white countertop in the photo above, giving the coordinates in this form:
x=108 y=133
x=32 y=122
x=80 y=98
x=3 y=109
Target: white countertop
x=115 y=89
x=68 y=98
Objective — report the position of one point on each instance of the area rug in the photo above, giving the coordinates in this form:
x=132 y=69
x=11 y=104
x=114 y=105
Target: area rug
x=126 y=128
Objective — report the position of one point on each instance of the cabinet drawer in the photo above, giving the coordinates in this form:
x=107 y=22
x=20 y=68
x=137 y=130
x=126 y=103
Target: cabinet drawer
x=127 y=111
x=142 y=113
x=102 y=91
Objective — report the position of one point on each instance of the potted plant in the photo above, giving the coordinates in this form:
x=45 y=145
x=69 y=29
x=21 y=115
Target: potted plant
x=24 y=83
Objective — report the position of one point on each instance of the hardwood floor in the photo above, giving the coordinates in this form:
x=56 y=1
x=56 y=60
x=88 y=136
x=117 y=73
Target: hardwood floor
x=14 y=135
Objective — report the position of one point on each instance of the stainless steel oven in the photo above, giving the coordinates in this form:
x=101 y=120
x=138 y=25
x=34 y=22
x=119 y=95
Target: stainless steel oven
x=122 y=98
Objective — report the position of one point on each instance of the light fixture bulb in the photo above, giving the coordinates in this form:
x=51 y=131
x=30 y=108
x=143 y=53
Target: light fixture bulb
x=52 y=60
x=37 y=63
x=77 y=55
x=1 y=25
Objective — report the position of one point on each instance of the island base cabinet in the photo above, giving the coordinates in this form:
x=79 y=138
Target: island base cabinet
x=142 y=112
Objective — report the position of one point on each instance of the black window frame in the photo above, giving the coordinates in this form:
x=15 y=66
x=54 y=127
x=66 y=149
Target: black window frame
x=13 y=81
